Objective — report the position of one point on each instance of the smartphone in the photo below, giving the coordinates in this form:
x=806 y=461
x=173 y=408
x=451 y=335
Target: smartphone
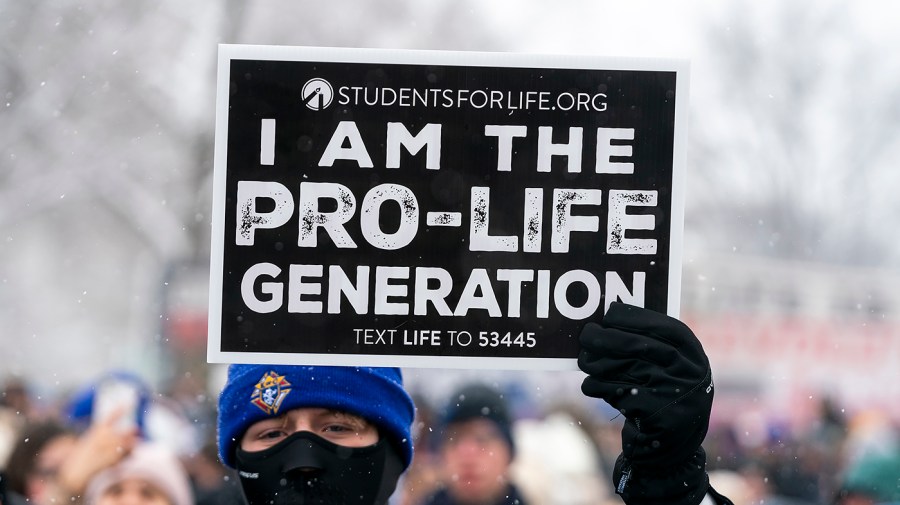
x=113 y=396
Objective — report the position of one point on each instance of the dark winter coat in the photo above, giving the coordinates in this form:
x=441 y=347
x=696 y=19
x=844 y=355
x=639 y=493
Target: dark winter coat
x=441 y=497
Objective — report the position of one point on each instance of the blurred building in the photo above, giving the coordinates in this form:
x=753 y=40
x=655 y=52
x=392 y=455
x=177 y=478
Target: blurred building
x=784 y=335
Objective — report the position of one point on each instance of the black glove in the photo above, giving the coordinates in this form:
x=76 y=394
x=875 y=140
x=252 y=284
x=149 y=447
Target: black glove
x=653 y=369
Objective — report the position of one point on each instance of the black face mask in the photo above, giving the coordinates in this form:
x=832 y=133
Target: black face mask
x=306 y=469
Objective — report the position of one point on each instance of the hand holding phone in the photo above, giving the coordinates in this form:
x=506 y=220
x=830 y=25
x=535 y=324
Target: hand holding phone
x=115 y=397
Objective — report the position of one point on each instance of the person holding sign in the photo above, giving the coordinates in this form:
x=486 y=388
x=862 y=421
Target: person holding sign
x=315 y=434
x=652 y=369
x=328 y=435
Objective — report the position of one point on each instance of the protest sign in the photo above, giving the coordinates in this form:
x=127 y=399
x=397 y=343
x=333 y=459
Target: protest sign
x=439 y=209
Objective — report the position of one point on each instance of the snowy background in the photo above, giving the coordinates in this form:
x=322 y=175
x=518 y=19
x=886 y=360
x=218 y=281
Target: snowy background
x=107 y=121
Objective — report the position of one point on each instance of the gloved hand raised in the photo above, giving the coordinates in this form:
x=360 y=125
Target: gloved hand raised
x=653 y=369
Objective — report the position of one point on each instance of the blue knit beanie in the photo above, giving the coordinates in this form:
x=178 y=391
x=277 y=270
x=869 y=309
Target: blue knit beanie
x=479 y=401
x=256 y=392
x=79 y=410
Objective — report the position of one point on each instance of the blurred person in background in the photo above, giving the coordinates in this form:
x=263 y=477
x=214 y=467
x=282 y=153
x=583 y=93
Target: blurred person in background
x=559 y=460
x=77 y=459
x=16 y=398
x=763 y=488
x=750 y=486
x=108 y=464
x=875 y=480
x=112 y=390
x=34 y=464
x=150 y=475
x=329 y=434
x=16 y=410
x=11 y=424
x=871 y=473
x=476 y=450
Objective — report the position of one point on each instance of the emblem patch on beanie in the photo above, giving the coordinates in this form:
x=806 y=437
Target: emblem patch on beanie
x=269 y=392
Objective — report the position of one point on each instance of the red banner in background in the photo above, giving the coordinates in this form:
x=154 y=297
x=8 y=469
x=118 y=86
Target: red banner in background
x=787 y=364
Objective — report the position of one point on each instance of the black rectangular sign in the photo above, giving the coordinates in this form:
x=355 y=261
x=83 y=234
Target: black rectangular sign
x=420 y=208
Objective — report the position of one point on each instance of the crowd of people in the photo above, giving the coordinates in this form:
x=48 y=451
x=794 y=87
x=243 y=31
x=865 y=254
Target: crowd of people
x=117 y=441
x=49 y=451
x=73 y=449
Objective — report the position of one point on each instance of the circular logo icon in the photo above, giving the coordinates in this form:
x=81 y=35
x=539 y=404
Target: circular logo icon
x=317 y=93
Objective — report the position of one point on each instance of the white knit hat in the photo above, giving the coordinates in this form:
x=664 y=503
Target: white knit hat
x=150 y=462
